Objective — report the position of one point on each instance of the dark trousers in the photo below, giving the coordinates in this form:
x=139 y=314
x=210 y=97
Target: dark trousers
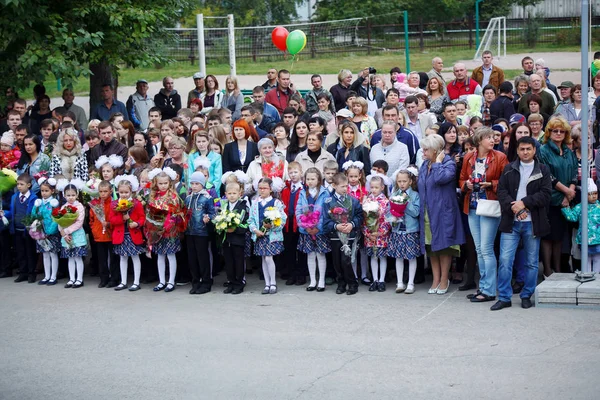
x=183 y=274
x=6 y=254
x=108 y=263
x=234 y=264
x=214 y=249
x=26 y=254
x=199 y=260
x=293 y=262
x=342 y=265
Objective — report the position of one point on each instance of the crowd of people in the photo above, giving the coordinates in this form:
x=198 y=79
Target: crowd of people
x=459 y=176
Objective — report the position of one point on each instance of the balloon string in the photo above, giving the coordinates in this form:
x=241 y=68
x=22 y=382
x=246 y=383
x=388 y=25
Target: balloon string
x=293 y=60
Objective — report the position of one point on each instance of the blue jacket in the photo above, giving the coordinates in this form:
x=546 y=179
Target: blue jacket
x=437 y=189
x=10 y=213
x=276 y=233
x=215 y=171
x=319 y=204
x=356 y=217
x=199 y=205
x=411 y=214
x=45 y=211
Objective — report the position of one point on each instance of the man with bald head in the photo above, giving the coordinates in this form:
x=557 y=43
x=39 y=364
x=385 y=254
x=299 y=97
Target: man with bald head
x=168 y=100
x=535 y=83
x=436 y=69
x=462 y=85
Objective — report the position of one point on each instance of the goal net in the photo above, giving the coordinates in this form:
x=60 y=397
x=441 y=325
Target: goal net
x=493 y=38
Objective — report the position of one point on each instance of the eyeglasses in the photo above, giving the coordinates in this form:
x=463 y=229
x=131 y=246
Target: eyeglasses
x=561 y=131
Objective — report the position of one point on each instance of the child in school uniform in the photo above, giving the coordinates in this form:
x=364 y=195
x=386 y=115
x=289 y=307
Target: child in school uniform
x=200 y=210
x=294 y=261
x=342 y=221
x=267 y=236
x=234 y=243
x=102 y=234
x=356 y=188
x=404 y=243
x=107 y=167
x=50 y=245
x=127 y=236
x=313 y=242
x=21 y=205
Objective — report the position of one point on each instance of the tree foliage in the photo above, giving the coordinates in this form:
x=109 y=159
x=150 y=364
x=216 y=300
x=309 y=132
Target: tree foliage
x=66 y=37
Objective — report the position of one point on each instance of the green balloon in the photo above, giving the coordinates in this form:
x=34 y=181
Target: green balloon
x=296 y=41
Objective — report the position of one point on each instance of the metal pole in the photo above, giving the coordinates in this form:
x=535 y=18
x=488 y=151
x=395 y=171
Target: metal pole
x=477 y=23
x=406 y=46
x=584 y=135
x=201 y=52
x=504 y=36
x=231 y=30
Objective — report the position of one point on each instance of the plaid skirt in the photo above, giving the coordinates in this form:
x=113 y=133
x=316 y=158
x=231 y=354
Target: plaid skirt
x=74 y=252
x=319 y=245
x=128 y=248
x=264 y=247
x=167 y=246
x=51 y=244
x=378 y=252
x=404 y=245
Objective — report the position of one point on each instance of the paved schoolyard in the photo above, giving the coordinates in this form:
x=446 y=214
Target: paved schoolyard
x=95 y=343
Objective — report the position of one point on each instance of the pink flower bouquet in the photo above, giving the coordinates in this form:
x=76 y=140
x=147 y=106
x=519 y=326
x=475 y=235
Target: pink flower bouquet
x=311 y=215
x=398 y=205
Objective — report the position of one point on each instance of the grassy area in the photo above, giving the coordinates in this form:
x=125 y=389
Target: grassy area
x=331 y=64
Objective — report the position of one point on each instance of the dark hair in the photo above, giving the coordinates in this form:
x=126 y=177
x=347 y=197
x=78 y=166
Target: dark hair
x=536 y=98
x=25 y=177
x=381 y=164
x=573 y=90
x=499 y=120
x=411 y=100
x=422 y=96
x=258 y=89
x=282 y=71
x=139 y=154
x=444 y=128
x=289 y=110
x=258 y=107
x=249 y=107
x=448 y=104
x=108 y=85
x=349 y=94
x=392 y=90
x=320 y=121
x=25 y=157
x=389 y=107
x=284 y=126
x=526 y=140
x=46 y=122
x=395 y=69
x=294 y=146
x=214 y=78
x=340 y=177
x=468 y=140
x=91 y=134
x=324 y=95
x=511 y=153
x=155 y=109
x=475 y=119
x=268 y=181
x=506 y=87
x=22 y=127
x=489 y=87
x=104 y=125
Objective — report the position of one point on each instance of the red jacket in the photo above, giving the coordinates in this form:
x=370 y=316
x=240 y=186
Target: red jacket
x=291 y=225
x=117 y=223
x=279 y=99
x=457 y=89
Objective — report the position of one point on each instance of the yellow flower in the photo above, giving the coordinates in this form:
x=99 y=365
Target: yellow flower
x=122 y=203
x=277 y=222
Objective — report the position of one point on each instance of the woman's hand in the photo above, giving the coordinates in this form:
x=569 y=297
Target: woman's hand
x=565 y=202
x=440 y=157
x=570 y=193
x=469 y=184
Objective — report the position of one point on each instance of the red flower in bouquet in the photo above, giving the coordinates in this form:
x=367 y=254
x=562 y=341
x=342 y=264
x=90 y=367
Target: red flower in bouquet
x=398 y=205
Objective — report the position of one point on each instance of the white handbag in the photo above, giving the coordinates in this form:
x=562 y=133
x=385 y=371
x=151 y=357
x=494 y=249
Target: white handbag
x=488 y=208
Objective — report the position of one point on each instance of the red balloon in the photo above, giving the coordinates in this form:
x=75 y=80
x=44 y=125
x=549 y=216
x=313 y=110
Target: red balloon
x=279 y=37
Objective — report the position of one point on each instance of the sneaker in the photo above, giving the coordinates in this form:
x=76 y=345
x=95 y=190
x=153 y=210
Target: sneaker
x=410 y=289
x=400 y=288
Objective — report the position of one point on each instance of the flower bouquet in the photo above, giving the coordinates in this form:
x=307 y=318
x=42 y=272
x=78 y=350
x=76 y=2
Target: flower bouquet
x=227 y=220
x=163 y=223
x=123 y=205
x=398 y=205
x=98 y=208
x=311 y=215
x=8 y=180
x=341 y=216
x=35 y=226
x=371 y=210
x=66 y=216
x=273 y=217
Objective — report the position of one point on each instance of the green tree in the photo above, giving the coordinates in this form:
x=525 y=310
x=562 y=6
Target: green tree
x=81 y=38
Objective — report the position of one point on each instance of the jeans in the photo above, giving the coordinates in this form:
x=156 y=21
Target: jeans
x=483 y=230
x=508 y=248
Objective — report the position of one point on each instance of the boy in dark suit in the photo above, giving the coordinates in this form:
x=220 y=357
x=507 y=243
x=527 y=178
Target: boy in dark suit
x=233 y=245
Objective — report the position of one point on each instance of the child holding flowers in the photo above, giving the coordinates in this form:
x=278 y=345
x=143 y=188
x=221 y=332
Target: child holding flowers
x=48 y=242
x=165 y=223
x=376 y=229
x=309 y=215
x=101 y=232
x=267 y=218
x=70 y=219
x=356 y=188
x=404 y=243
x=126 y=220
x=201 y=210
x=235 y=238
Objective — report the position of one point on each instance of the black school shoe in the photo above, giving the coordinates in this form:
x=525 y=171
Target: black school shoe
x=291 y=281
x=228 y=290
x=500 y=305
x=202 y=289
x=340 y=290
x=237 y=291
x=21 y=278
x=352 y=290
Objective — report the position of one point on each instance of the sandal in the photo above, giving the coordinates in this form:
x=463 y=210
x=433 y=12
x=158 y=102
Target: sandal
x=159 y=287
x=471 y=295
x=482 y=298
x=170 y=287
x=76 y=286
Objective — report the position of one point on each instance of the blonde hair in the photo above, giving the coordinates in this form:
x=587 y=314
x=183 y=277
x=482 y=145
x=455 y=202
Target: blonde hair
x=557 y=122
x=363 y=103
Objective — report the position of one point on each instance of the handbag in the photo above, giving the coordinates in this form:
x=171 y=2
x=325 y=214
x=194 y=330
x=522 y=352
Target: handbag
x=488 y=208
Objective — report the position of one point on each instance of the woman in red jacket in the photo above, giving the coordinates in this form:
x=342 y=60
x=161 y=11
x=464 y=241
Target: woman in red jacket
x=127 y=218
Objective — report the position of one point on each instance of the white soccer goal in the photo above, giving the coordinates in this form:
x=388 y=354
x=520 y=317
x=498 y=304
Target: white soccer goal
x=495 y=34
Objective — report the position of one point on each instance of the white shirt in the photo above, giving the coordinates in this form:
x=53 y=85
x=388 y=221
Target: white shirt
x=487 y=72
x=263 y=202
x=232 y=205
x=296 y=186
x=26 y=196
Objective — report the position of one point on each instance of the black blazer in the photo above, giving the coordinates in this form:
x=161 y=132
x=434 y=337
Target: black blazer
x=238 y=237
x=231 y=156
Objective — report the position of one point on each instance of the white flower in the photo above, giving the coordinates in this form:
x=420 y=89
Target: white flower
x=37 y=203
x=371 y=206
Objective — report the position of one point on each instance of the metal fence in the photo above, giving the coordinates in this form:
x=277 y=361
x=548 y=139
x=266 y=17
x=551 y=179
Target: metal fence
x=345 y=37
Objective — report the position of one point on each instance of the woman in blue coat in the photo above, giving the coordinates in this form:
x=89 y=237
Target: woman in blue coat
x=441 y=225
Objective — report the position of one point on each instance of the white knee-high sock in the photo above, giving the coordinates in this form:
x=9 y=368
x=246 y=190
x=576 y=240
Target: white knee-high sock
x=322 y=263
x=162 y=266
x=400 y=270
x=79 y=263
x=123 y=266
x=72 y=269
x=47 y=265
x=364 y=263
x=311 y=260
x=54 y=269
x=137 y=269
x=374 y=269
x=412 y=270
x=172 y=268
x=383 y=268
x=269 y=270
